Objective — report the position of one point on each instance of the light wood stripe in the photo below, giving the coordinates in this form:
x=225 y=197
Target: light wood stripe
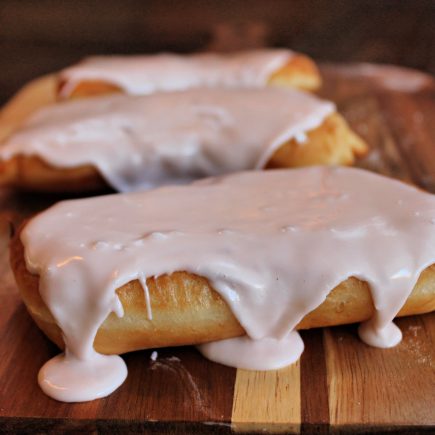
x=267 y=401
x=385 y=388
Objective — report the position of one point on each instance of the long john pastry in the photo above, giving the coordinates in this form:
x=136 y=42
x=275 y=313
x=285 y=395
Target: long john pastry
x=235 y=264
x=145 y=74
x=132 y=143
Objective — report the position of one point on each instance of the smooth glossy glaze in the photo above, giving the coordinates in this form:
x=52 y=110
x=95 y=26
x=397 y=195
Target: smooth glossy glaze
x=170 y=138
x=146 y=74
x=273 y=244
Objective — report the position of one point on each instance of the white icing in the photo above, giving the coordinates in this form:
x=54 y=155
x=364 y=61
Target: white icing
x=170 y=138
x=266 y=353
x=272 y=243
x=146 y=74
x=154 y=356
x=382 y=335
x=71 y=379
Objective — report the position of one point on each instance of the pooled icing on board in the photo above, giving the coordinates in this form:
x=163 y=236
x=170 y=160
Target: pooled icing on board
x=273 y=244
x=142 y=142
x=146 y=74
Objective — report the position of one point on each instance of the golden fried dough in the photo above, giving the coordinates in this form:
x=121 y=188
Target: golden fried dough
x=333 y=143
x=186 y=309
x=300 y=72
x=36 y=94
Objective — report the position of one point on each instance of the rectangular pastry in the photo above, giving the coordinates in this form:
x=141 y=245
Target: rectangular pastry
x=145 y=74
x=237 y=262
x=137 y=142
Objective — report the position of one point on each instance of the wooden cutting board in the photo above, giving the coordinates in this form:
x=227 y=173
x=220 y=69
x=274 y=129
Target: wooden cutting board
x=340 y=384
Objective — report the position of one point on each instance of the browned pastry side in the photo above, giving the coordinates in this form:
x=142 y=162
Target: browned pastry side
x=187 y=310
x=300 y=72
x=333 y=143
x=31 y=97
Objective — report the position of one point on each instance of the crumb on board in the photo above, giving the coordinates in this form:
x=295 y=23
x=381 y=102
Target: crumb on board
x=154 y=356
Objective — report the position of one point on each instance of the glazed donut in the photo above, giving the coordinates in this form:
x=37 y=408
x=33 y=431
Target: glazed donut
x=234 y=264
x=187 y=310
x=349 y=213
x=332 y=143
x=145 y=74
x=300 y=71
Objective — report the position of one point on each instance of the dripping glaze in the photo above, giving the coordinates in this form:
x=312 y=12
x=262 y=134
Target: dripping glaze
x=273 y=244
x=142 y=142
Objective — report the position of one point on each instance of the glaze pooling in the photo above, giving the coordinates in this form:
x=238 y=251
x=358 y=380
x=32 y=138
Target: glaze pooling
x=170 y=138
x=266 y=353
x=70 y=379
x=273 y=244
x=139 y=75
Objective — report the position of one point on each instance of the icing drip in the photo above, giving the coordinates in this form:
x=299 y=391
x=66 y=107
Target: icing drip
x=143 y=282
x=267 y=353
x=139 y=75
x=70 y=379
x=171 y=138
x=273 y=244
x=380 y=335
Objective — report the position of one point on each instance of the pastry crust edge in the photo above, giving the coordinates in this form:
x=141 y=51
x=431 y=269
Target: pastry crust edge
x=187 y=310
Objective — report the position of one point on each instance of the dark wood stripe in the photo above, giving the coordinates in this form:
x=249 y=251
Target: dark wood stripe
x=314 y=388
x=28 y=425
x=23 y=350
x=357 y=100
x=411 y=120
x=180 y=386
x=9 y=303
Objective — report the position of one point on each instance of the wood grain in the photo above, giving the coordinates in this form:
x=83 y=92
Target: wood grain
x=314 y=394
x=339 y=385
x=374 y=387
x=267 y=401
x=407 y=117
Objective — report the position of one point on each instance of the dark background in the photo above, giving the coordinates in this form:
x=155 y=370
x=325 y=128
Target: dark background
x=41 y=36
